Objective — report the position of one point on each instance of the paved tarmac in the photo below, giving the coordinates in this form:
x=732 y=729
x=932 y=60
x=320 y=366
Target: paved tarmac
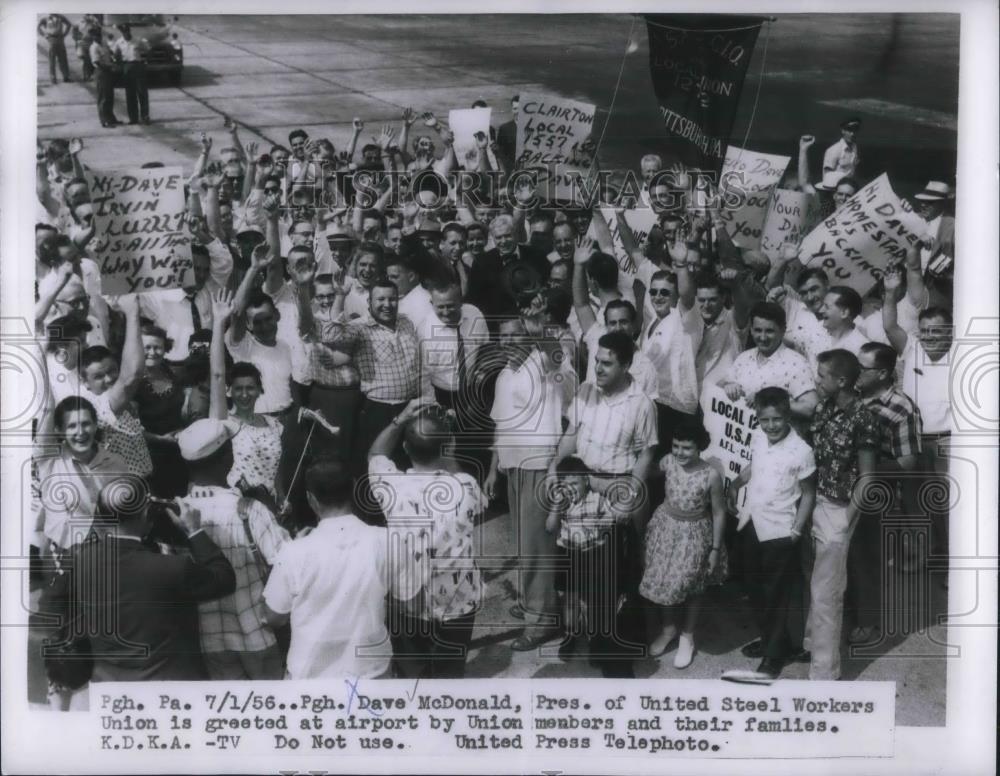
x=277 y=73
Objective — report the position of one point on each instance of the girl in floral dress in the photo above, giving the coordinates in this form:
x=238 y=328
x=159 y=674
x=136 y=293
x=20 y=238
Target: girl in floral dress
x=684 y=550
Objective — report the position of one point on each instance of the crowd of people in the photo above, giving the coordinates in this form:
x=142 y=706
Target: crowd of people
x=287 y=460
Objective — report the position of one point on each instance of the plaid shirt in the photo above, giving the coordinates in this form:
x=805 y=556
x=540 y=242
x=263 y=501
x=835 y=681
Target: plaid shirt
x=322 y=370
x=235 y=622
x=387 y=359
x=899 y=420
x=838 y=434
x=588 y=522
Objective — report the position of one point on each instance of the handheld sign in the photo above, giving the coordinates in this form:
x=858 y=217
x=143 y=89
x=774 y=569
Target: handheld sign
x=465 y=123
x=731 y=426
x=748 y=178
x=787 y=217
x=855 y=244
x=550 y=131
x=640 y=220
x=140 y=244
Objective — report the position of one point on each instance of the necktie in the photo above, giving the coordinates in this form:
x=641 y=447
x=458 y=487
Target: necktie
x=195 y=314
x=460 y=355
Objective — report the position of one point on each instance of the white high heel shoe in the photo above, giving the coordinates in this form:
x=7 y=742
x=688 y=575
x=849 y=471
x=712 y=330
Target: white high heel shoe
x=685 y=651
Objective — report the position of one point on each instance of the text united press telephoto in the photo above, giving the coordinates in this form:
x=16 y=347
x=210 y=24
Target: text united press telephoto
x=510 y=392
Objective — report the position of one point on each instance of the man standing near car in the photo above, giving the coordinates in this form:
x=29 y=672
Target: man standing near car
x=104 y=78
x=130 y=53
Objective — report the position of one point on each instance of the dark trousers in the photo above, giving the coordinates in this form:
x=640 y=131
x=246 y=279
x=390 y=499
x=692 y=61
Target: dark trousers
x=136 y=91
x=429 y=649
x=772 y=572
x=57 y=53
x=596 y=577
x=340 y=407
x=474 y=432
x=86 y=65
x=374 y=417
x=104 y=83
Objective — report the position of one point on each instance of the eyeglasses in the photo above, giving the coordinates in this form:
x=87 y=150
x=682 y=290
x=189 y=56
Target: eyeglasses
x=660 y=292
x=325 y=296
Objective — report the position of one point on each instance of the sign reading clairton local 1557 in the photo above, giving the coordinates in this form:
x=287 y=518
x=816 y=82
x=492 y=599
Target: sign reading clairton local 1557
x=140 y=244
x=550 y=132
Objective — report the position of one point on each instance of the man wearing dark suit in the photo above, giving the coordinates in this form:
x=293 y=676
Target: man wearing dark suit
x=137 y=607
x=503 y=278
x=507 y=137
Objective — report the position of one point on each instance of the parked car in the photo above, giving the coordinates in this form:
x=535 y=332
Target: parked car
x=164 y=50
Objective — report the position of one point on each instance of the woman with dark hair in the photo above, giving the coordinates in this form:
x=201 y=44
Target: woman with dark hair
x=67 y=482
x=160 y=401
x=257 y=447
x=684 y=549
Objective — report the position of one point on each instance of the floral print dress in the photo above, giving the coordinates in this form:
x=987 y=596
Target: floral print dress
x=679 y=538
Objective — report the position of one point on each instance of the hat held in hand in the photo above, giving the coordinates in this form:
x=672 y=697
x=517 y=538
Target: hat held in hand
x=204 y=437
x=935 y=191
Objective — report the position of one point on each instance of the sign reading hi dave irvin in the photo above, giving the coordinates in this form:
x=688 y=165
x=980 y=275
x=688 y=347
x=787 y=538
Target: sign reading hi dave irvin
x=140 y=244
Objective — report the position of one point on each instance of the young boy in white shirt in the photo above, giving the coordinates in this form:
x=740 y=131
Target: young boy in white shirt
x=781 y=493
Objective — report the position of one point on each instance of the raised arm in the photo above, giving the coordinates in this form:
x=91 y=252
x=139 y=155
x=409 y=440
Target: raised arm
x=916 y=289
x=251 y=172
x=890 y=315
x=404 y=135
x=133 y=363
x=43 y=188
x=259 y=260
x=272 y=243
x=585 y=248
x=357 y=127
x=805 y=142
x=210 y=183
x=449 y=162
x=75 y=148
x=679 y=251
x=48 y=291
x=222 y=310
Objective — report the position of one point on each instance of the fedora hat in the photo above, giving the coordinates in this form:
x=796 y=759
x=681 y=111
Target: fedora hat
x=935 y=190
x=831 y=179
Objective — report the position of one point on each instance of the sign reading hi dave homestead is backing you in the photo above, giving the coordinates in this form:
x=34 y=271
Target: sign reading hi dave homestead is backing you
x=139 y=220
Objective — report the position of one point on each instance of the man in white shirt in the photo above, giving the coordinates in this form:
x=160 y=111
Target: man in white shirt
x=331 y=585
x=843 y=156
x=414 y=299
x=132 y=54
x=620 y=315
x=532 y=394
x=841 y=307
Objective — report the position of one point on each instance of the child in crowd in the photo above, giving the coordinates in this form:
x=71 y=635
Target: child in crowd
x=586 y=522
x=781 y=493
x=684 y=549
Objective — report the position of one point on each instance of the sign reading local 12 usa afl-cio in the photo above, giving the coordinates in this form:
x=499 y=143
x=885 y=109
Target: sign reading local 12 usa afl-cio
x=139 y=241
x=731 y=426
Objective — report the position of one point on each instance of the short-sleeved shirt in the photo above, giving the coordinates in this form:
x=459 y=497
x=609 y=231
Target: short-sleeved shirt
x=386 y=359
x=528 y=407
x=275 y=365
x=842 y=159
x=416 y=305
x=123 y=433
x=928 y=383
x=721 y=341
x=612 y=431
x=235 y=622
x=670 y=344
x=899 y=421
x=333 y=581
x=784 y=368
x=775 y=485
x=431 y=518
x=588 y=522
x=838 y=435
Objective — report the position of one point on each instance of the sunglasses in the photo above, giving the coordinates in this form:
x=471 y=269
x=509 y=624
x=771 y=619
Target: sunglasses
x=660 y=292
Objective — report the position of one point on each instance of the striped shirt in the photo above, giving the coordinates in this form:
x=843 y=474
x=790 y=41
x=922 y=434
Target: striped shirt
x=898 y=420
x=386 y=359
x=612 y=431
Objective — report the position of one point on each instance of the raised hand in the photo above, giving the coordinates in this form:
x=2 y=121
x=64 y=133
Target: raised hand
x=678 y=251
x=585 y=248
x=222 y=304
x=429 y=119
x=913 y=257
x=75 y=146
x=409 y=117
x=806 y=140
x=681 y=178
x=789 y=251
x=271 y=204
x=206 y=144
x=303 y=271
x=448 y=138
x=251 y=150
x=777 y=294
x=893 y=277
x=265 y=166
x=211 y=178
x=358 y=125
x=385 y=138
x=410 y=210
x=524 y=192
x=261 y=257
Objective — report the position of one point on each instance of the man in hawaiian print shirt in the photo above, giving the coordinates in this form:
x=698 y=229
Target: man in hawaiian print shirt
x=430 y=510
